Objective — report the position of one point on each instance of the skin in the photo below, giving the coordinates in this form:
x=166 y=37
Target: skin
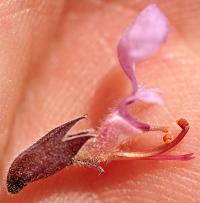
x=58 y=61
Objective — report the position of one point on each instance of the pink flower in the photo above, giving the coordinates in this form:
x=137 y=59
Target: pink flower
x=141 y=40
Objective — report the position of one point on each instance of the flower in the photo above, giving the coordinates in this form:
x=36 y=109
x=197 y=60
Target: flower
x=141 y=40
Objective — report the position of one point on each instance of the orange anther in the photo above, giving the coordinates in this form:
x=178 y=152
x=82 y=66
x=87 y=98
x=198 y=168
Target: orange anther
x=182 y=123
x=167 y=138
x=165 y=129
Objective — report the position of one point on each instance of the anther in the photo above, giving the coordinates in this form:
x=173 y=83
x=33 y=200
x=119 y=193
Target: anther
x=167 y=138
x=183 y=123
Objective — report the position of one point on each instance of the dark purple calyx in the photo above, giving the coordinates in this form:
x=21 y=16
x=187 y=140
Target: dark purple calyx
x=47 y=156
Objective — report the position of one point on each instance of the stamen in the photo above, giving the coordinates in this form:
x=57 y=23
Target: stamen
x=159 y=128
x=156 y=152
x=163 y=148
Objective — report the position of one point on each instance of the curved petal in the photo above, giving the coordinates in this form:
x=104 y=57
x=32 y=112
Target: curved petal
x=146 y=95
x=142 y=38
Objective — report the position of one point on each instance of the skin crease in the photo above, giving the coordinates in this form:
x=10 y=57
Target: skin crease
x=58 y=61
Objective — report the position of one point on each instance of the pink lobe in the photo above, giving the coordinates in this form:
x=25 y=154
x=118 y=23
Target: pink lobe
x=149 y=96
x=142 y=38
